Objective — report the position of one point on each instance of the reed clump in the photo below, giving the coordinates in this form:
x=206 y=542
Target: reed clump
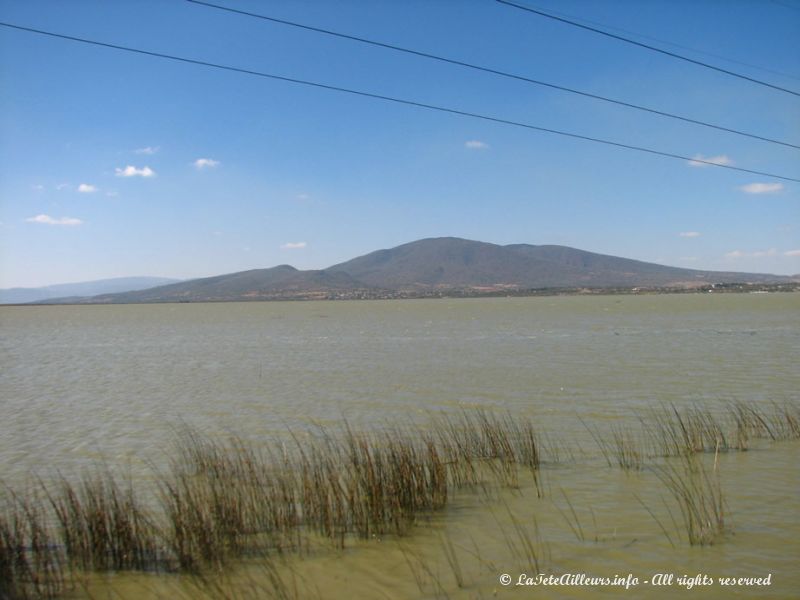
x=698 y=492
x=739 y=423
x=670 y=431
x=31 y=566
x=102 y=524
x=785 y=421
x=219 y=500
x=222 y=500
x=686 y=431
x=621 y=447
x=390 y=482
x=475 y=441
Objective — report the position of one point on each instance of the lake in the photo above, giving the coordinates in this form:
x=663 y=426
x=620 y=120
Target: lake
x=84 y=385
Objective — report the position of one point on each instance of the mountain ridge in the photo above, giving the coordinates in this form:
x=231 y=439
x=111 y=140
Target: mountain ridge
x=445 y=265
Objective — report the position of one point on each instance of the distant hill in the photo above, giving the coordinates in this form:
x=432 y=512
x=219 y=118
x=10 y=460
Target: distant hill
x=256 y=284
x=435 y=265
x=457 y=263
x=85 y=288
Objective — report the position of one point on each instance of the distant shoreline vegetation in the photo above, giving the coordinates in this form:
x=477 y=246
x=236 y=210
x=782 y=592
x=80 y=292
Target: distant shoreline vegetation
x=469 y=292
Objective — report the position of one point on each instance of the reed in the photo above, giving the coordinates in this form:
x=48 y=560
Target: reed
x=670 y=431
x=619 y=448
x=429 y=582
x=526 y=550
x=627 y=449
x=218 y=501
x=31 y=565
x=699 y=495
x=531 y=551
x=572 y=519
x=450 y=554
x=785 y=421
x=680 y=432
x=476 y=441
x=749 y=423
x=222 y=500
x=102 y=525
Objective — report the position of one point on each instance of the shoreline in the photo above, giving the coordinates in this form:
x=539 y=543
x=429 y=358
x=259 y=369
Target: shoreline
x=720 y=288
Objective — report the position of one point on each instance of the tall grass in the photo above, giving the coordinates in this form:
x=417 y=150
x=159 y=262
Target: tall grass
x=620 y=447
x=221 y=500
x=670 y=431
x=679 y=432
x=31 y=566
x=699 y=495
x=477 y=440
x=102 y=525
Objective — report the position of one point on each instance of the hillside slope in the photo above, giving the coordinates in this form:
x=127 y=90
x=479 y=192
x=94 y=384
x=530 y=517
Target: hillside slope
x=434 y=265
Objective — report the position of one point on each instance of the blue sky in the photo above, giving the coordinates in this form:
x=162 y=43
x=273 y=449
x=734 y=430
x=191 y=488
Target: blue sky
x=113 y=164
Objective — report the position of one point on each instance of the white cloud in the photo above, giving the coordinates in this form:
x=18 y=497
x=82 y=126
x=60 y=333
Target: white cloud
x=293 y=245
x=303 y=197
x=62 y=186
x=792 y=253
x=698 y=160
x=476 y=145
x=689 y=234
x=112 y=194
x=38 y=187
x=762 y=188
x=149 y=150
x=205 y=163
x=48 y=220
x=131 y=171
x=87 y=188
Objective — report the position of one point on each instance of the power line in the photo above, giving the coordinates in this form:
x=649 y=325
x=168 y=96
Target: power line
x=493 y=72
x=390 y=99
x=647 y=46
x=673 y=44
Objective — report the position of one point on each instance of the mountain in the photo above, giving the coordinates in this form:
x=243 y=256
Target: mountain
x=435 y=266
x=458 y=263
x=85 y=288
x=451 y=263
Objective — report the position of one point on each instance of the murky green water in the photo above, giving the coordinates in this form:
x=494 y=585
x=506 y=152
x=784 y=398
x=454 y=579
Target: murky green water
x=81 y=384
